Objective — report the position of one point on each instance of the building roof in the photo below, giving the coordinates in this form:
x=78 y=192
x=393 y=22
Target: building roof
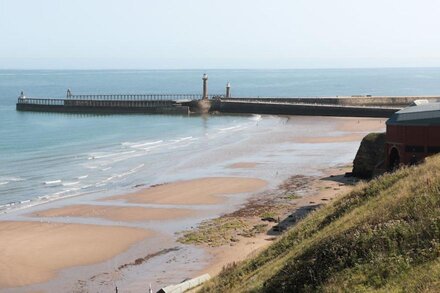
x=424 y=114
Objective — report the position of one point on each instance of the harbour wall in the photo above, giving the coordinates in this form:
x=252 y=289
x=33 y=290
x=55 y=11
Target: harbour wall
x=174 y=109
x=302 y=109
x=375 y=101
x=353 y=106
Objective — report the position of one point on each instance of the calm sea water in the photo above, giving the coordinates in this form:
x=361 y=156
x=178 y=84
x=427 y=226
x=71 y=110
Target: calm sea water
x=47 y=156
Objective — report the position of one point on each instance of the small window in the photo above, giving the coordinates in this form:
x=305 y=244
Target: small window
x=414 y=149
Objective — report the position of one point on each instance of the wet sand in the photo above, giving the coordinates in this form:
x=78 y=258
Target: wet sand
x=117 y=213
x=353 y=129
x=194 y=192
x=33 y=252
x=243 y=165
x=349 y=124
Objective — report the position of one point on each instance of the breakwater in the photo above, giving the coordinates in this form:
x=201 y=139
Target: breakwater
x=184 y=104
x=353 y=106
x=109 y=104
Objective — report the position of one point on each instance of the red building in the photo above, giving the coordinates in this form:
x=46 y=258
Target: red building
x=412 y=134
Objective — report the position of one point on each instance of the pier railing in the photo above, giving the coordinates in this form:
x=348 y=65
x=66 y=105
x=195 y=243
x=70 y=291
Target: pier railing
x=97 y=103
x=114 y=100
x=41 y=101
x=136 y=97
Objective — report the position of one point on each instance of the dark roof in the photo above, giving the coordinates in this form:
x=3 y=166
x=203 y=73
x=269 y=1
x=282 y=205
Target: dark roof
x=425 y=114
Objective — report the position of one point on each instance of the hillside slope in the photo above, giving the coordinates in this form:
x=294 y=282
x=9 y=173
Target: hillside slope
x=383 y=236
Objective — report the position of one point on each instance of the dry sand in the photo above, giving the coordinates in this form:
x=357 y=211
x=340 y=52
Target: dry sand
x=33 y=252
x=197 y=191
x=116 y=213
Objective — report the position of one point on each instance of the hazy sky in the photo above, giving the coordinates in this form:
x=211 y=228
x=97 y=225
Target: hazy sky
x=219 y=34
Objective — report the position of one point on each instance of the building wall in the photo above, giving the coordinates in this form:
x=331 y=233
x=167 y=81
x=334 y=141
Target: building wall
x=412 y=142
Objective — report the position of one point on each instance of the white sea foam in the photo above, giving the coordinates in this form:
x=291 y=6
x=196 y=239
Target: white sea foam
x=255 y=117
x=232 y=128
x=97 y=156
x=141 y=145
x=82 y=177
x=52 y=182
x=182 y=139
x=7 y=179
x=131 y=171
x=91 y=167
x=70 y=183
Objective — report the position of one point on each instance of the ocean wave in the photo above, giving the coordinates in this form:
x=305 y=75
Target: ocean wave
x=141 y=145
x=82 y=177
x=7 y=179
x=108 y=155
x=53 y=182
x=131 y=171
x=70 y=183
x=233 y=128
x=182 y=139
x=57 y=194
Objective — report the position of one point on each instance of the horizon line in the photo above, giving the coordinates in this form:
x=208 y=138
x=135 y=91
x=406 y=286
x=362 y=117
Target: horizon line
x=232 y=68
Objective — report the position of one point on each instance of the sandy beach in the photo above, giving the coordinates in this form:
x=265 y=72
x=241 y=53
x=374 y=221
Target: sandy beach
x=319 y=191
x=194 y=192
x=33 y=252
x=68 y=243
x=116 y=213
x=351 y=129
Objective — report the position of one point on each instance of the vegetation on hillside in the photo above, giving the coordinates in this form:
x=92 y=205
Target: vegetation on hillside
x=383 y=236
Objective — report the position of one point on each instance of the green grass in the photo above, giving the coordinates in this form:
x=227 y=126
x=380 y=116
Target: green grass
x=293 y=196
x=269 y=214
x=221 y=231
x=384 y=236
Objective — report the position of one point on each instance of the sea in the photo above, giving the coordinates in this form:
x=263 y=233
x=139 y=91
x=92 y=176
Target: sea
x=50 y=156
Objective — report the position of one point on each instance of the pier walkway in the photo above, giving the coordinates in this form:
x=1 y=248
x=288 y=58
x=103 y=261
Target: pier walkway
x=183 y=104
x=112 y=103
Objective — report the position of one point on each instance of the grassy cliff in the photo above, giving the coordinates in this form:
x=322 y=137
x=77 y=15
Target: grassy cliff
x=383 y=236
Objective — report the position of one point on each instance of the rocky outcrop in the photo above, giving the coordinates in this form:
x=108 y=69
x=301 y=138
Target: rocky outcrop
x=370 y=156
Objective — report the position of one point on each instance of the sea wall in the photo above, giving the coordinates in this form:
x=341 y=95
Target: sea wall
x=376 y=101
x=177 y=109
x=300 y=109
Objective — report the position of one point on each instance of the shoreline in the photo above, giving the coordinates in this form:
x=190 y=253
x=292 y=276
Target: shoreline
x=128 y=211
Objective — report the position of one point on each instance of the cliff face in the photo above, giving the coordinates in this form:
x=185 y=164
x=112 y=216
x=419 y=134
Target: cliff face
x=371 y=153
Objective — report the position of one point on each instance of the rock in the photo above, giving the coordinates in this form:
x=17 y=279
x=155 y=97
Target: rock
x=370 y=155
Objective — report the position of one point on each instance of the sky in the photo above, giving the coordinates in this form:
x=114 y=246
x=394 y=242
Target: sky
x=180 y=34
